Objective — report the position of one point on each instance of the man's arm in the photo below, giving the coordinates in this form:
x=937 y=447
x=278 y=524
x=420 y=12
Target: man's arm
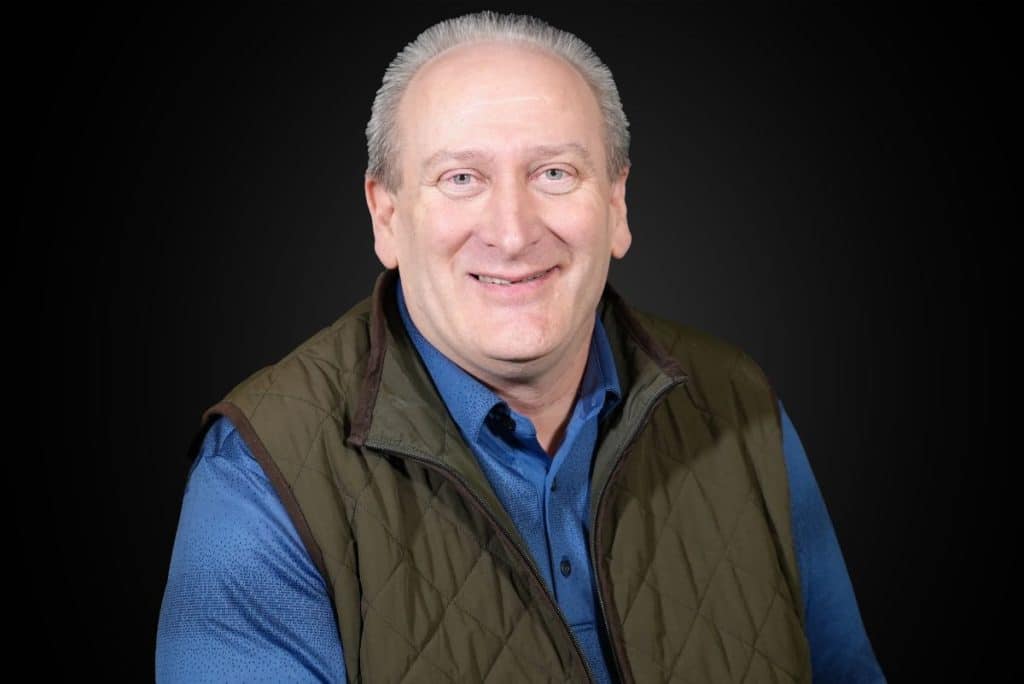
x=243 y=600
x=840 y=649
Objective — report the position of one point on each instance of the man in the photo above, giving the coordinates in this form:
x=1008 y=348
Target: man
x=494 y=469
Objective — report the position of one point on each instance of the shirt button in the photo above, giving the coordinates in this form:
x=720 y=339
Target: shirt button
x=554 y=485
x=566 y=567
x=500 y=420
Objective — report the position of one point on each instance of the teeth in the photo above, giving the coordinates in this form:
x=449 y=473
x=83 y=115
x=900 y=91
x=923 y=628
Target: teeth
x=493 y=281
x=499 y=281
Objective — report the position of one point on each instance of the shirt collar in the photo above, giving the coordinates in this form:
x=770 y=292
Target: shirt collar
x=470 y=402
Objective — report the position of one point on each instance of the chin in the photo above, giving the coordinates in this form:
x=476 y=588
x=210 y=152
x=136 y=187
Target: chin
x=516 y=353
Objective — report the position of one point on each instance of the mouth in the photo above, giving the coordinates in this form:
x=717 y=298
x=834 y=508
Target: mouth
x=497 y=280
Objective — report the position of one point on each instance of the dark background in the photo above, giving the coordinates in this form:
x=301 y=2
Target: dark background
x=823 y=187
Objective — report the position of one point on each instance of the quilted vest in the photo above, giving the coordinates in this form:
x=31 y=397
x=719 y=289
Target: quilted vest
x=430 y=580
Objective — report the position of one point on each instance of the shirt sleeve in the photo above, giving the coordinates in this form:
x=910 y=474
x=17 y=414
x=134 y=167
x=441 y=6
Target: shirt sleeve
x=840 y=649
x=243 y=600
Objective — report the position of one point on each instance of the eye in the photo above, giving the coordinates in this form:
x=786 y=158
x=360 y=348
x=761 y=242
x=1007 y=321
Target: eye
x=459 y=179
x=559 y=180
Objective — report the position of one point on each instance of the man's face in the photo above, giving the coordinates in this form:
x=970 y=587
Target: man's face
x=519 y=198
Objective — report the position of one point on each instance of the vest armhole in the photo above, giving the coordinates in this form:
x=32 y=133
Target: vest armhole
x=775 y=406
x=780 y=518
x=273 y=473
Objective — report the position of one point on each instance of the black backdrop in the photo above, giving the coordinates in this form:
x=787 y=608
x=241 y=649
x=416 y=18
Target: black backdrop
x=819 y=186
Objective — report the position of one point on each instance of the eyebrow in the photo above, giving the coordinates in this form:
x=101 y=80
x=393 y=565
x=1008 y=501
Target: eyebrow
x=536 y=151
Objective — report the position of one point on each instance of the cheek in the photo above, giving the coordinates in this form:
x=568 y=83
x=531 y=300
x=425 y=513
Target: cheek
x=582 y=223
x=440 y=228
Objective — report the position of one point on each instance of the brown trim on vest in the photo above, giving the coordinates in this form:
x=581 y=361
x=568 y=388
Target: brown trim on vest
x=668 y=363
x=375 y=364
x=281 y=486
x=775 y=404
x=614 y=626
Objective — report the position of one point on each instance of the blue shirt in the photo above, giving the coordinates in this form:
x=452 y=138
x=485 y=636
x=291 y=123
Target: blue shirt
x=243 y=599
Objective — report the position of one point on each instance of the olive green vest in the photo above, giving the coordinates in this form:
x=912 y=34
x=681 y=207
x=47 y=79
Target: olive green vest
x=430 y=580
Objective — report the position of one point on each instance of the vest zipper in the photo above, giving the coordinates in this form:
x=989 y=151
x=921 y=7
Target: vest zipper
x=618 y=653
x=464 y=488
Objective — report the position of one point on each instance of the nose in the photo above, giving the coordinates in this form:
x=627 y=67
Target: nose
x=512 y=223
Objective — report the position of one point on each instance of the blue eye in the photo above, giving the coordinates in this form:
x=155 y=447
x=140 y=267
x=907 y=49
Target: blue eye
x=456 y=175
x=547 y=174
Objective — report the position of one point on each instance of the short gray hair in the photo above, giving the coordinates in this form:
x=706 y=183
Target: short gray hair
x=382 y=130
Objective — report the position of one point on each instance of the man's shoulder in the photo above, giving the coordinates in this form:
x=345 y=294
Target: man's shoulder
x=716 y=367
x=694 y=348
x=321 y=373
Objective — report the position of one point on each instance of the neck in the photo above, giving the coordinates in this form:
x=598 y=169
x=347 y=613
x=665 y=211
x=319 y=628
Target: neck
x=546 y=399
x=544 y=394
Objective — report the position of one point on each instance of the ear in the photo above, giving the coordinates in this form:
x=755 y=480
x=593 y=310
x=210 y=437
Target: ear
x=621 y=238
x=381 y=204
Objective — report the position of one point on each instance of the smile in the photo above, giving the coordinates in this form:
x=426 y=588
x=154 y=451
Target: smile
x=495 y=280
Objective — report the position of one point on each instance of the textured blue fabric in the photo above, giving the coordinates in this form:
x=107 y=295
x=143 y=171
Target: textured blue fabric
x=244 y=601
x=840 y=649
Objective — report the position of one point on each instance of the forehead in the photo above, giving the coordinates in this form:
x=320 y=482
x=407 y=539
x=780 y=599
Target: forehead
x=498 y=98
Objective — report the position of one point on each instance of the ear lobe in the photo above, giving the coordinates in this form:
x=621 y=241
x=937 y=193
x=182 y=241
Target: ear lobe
x=381 y=204
x=621 y=240
x=621 y=237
